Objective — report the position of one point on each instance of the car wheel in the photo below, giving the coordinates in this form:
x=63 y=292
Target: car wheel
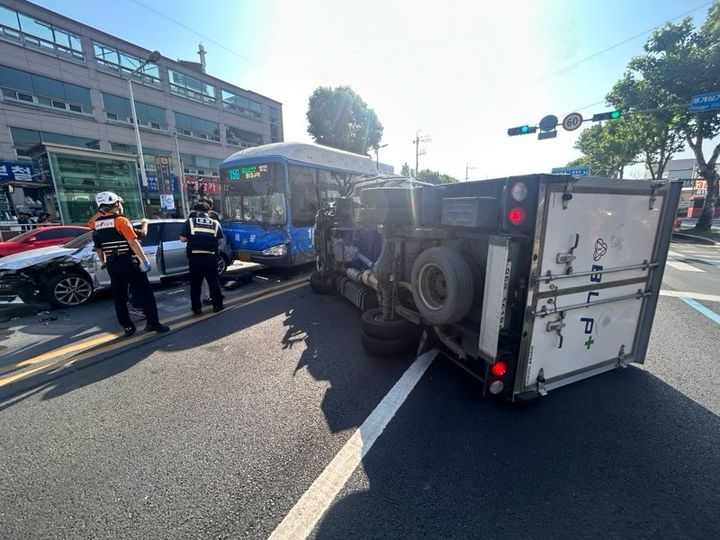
x=222 y=265
x=67 y=290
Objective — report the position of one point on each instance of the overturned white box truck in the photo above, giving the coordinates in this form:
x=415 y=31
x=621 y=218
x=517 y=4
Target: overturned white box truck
x=529 y=282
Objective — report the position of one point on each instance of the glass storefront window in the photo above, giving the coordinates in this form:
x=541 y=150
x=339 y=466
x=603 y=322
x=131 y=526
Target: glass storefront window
x=79 y=178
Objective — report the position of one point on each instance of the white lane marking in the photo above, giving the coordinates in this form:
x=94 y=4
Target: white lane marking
x=303 y=517
x=686 y=256
x=687 y=294
x=677 y=265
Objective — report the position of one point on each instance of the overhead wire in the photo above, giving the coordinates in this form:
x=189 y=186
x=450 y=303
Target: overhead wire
x=211 y=40
x=620 y=43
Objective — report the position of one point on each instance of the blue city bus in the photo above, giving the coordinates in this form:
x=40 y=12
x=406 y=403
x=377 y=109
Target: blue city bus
x=271 y=194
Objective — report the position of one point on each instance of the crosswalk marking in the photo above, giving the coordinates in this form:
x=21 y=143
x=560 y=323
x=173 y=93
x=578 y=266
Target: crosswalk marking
x=683 y=266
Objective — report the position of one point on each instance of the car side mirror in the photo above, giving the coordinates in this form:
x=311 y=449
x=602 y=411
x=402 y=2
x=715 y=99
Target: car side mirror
x=32 y=239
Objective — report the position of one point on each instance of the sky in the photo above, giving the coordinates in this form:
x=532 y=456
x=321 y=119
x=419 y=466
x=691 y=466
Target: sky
x=458 y=72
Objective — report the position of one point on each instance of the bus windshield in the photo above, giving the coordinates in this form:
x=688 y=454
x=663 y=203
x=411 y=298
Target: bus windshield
x=255 y=194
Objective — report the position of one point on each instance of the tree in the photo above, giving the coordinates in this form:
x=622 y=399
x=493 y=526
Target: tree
x=652 y=134
x=680 y=62
x=435 y=177
x=339 y=118
x=607 y=148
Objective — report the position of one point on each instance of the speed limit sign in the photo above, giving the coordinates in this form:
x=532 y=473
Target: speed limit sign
x=572 y=121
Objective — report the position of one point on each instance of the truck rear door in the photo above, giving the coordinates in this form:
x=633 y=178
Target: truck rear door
x=599 y=255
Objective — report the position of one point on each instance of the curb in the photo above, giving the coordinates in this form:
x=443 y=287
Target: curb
x=699 y=239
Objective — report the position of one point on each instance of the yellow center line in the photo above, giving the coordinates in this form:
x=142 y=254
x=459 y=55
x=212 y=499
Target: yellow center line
x=104 y=338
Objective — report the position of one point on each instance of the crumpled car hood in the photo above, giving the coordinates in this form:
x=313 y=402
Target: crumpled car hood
x=35 y=256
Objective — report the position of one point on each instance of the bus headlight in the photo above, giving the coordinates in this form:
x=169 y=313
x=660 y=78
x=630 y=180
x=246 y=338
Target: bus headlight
x=276 y=251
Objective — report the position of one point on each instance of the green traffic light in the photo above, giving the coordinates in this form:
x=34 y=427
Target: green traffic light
x=615 y=115
x=524 y=129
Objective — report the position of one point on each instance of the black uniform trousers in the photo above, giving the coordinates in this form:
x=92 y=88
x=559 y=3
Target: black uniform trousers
x=204 y=266
x=123 y=272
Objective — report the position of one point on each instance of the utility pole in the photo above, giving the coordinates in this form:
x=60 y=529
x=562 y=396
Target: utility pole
x=467 y=171
x=418 y=152
x=181 y=178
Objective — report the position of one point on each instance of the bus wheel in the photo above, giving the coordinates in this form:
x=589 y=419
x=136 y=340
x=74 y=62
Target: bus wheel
x=322 y=285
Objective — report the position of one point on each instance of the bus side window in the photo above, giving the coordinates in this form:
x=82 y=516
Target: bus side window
x=303 y=195
x=333 y=184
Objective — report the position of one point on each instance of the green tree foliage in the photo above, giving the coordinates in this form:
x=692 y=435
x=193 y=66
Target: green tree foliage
x=435 y=177
x=607 y=148
x=651 y=133
x=339 y=118
x=680 y=62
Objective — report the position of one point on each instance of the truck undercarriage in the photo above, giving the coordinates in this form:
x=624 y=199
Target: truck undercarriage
x=466 y=267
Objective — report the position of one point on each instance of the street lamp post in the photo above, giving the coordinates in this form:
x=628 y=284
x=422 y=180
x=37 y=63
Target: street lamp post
x=377 y=154
x=154 y=57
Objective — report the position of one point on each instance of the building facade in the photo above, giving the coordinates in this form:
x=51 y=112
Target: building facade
x=64 y=86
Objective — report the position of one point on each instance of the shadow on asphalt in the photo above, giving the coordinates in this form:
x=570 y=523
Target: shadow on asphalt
x=621 y=455
x=327 y=329
x=64 y=325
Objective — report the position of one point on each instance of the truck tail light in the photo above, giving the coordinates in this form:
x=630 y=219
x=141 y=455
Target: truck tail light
x=518 y=191
x=496 y=387
x=499 y=368
x=516 y=215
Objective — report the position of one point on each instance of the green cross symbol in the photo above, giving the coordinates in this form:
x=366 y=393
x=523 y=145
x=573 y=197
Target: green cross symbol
x=589 y=342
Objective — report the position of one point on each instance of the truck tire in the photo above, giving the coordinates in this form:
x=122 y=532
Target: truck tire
x=387 y=347
x=373 y=325
x=442 y=285
x=320 y=285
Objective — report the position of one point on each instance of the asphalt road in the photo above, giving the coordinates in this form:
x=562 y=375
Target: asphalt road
x=219 y=428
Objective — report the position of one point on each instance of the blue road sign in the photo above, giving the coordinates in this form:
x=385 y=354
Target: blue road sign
x=582 y=170
x=705 y=102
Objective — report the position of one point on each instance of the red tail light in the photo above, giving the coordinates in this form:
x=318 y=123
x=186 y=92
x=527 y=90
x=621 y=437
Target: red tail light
x=516 y=215
x=499 y=368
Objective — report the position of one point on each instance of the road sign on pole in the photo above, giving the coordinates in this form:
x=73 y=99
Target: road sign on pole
x=572 y=121
x=580 y=170
x=705 y=102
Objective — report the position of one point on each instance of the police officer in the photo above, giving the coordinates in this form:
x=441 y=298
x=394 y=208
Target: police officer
x=117 y=247
x=203 y=234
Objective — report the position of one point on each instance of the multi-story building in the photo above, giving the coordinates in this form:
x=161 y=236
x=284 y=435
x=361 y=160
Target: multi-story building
x=66 y=122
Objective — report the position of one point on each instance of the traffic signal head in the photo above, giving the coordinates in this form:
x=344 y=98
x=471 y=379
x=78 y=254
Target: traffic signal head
x=611 y=115
x=521 y=130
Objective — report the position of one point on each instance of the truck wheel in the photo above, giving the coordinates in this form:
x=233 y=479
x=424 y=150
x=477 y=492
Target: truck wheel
x=442 y=285
x=374 y=325
x=387 y=347
x=320 y=285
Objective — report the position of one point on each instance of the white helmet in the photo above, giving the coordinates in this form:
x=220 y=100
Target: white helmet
x=107 y=198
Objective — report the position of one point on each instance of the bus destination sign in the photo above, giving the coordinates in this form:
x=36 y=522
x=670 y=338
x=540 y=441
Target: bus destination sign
x=249 y=172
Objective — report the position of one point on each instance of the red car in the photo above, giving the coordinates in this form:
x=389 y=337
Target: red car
x=41 y=237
